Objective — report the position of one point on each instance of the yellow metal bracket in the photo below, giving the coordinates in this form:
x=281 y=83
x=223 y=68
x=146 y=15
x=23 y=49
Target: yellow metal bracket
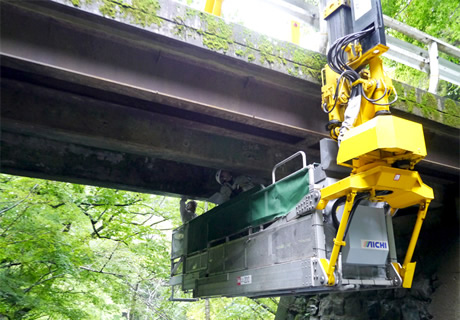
x=408 y=275
x=325 y=265
x=333 y=6
x=408 y=267
x=405 y=187
x=368 y=55
x=338 y=241
x=360 y=80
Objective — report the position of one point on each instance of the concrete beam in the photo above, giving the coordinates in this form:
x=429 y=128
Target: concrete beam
x=44 y=158
x=77 y=119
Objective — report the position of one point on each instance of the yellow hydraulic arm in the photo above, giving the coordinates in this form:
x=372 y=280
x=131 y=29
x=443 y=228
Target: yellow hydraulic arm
x=381 y=149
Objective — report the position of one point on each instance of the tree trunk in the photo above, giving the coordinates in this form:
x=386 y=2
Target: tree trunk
x=283 y=307
x=207 y=309
x=132 y=311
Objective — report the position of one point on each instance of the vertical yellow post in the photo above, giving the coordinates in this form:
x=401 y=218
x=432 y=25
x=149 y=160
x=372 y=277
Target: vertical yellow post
x=217 y=8
x=295 y=32
x=408 y=268
x=338 y=241
x=209 y=6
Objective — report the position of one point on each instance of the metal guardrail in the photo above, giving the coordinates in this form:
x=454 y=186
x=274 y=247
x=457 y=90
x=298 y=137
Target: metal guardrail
x=426 y=60
x=422 y=60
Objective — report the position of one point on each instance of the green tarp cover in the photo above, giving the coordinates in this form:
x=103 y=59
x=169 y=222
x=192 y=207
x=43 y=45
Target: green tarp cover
x=249 y=209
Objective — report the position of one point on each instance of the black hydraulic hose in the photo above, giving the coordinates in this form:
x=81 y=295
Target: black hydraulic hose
x=359 y=197
x=336 y=204
x=374 y=101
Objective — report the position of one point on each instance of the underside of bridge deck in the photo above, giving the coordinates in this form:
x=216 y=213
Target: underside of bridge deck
x=92 y=100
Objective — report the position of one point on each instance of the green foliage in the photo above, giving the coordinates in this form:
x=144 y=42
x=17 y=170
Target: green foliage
x=69 y=251
x=235 y=309
x=439 y=18
x=76 y=252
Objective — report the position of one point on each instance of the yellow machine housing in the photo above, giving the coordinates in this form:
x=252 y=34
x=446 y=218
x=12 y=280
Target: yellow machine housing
x=384 y=138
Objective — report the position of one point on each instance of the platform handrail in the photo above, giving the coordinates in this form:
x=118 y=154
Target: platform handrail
x=295 y=155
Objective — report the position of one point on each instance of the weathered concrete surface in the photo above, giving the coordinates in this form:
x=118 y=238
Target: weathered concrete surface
x=445 y=299
x=225 y=97
x=81 y=164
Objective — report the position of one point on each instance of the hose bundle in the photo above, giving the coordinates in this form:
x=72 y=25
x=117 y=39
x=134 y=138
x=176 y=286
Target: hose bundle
x=337 y=61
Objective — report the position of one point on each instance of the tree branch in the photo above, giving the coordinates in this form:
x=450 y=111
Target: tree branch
x=19 y=202
x=263 y=305
x=113 y=205
x=453 y=12
x=154 y=223
x=111 y=255
x=69 y=292
x=142 y=213
x=256 y=312
x=157 y=222
x=407 y=4
x=102 y=213
x=67 y=227
x=42 y=281
x=145 y=221
x=12 y=264
x=96 y=230
x=14 y=221
x=57 y=205
x=120 y=276
x=85 y=212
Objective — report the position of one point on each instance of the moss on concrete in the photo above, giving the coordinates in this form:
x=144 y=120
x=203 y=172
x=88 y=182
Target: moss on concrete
x=427 y=105
x=452 y=115
x=140 y=12
x=247 y=49
x=410 y=94
x=309 y=63
x=190 y=13
x=399 y=90
x=266 y=51
x=179 y=28
x=452 y=107
x=217 y=34
x=239 y=53
x=109 y=9
x=429 y=100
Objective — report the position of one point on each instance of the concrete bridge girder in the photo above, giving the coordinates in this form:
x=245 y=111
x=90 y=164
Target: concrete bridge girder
x=123 y=107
